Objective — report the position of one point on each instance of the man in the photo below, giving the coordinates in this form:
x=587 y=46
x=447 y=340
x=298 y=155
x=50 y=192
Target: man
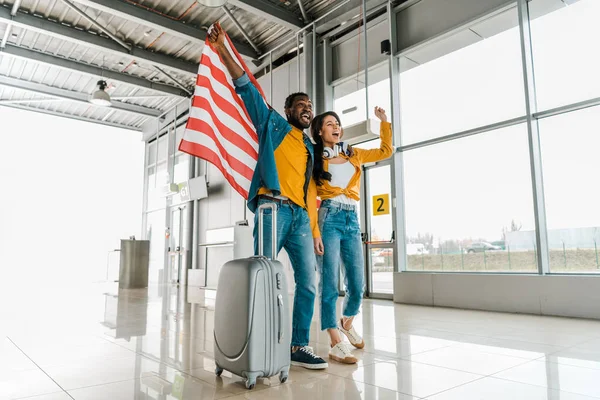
x=282 y=176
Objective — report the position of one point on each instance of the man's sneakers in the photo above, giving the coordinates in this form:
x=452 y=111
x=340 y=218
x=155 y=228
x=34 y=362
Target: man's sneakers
x=305 y=357
x=355 y=339
x=341 y=353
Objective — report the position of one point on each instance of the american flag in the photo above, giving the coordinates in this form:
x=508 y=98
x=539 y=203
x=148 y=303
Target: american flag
x=219 y=129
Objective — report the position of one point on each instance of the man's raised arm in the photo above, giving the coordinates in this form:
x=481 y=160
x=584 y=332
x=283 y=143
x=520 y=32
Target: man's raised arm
x=255 y=105
x=217 y=38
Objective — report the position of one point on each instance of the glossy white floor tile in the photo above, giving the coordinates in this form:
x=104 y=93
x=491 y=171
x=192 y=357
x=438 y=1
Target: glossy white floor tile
x=513 y=348
x=566 y=378
x=412 y=378
x=151 y=387
x=20 y=384
x=99 y=342
x=53 y=396
x=12 y=358
x=326 y=387
x=498 y=389
x=82 y=375
x=476 y=362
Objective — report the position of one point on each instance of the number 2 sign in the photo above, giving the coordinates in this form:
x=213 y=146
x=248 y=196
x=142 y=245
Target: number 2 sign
x=381 y=204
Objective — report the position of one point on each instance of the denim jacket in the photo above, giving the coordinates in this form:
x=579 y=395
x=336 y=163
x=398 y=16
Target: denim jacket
x=271 y=129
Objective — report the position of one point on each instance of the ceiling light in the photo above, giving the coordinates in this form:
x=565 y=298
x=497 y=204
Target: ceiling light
x=212 y=3
x=100 y=97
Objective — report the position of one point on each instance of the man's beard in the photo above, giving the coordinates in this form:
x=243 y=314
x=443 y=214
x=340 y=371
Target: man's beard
x=294 y=121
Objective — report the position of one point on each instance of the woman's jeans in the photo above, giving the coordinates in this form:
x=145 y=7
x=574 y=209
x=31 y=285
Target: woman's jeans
x=340 y=232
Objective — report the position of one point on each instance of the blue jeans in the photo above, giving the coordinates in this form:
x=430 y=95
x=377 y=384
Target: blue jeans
x=340 y=232
x=295 y=236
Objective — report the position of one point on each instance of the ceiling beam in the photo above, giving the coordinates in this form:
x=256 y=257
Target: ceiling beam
x=75 y=117
x=87 y=69
x=346 y=12
x=101 y=43
x=15 y=7
x=76 y=97
x=6 y=35
x=267 y=10
x=143 y=16
x=98 y=25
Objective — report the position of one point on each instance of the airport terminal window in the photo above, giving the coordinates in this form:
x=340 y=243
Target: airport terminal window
x=564 y=56
x=570 y=144
x=475 y=86
x=371 y=144
x=469 y=204
x=182 y=174
x=155 y=233
x=156 y=198
x=151 y=155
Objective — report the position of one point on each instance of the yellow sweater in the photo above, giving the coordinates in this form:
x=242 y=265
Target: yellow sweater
x=290 y=159
x=360 y=156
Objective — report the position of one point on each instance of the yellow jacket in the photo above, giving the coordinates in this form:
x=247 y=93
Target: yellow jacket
x=360 y=156
x=290 y=160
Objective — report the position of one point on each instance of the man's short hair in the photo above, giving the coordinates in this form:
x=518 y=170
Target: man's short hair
x=289 y=101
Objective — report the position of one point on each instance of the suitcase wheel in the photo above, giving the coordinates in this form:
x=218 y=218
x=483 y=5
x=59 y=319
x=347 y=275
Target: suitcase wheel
x=283 y=376
x=251 y=380
x=218 y=371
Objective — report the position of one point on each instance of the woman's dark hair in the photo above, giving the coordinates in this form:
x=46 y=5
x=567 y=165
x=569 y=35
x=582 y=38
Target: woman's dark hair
x=315 y=127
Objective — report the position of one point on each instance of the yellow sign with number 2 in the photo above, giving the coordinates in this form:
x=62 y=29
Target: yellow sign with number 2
x=381 y=204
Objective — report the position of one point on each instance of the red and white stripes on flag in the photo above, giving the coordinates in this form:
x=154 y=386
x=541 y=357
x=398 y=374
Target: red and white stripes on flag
x=219 y=129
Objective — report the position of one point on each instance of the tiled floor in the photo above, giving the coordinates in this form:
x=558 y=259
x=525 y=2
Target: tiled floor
x=98 y=342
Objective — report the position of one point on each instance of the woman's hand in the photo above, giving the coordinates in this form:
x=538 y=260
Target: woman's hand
x=380 y=113
x=319 y=249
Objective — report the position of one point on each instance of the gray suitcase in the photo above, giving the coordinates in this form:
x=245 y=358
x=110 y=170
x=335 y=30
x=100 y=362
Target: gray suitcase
x=252 y=321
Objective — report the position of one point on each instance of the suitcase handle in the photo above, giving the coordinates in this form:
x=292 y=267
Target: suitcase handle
x=261 y=215
x=280 y=312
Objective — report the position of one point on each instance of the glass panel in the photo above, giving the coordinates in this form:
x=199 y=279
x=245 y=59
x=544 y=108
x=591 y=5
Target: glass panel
x=477 y=85
x=469 y=202
x=182 y=168
x=379 y=183
x=156 y=197
x=371 y=144
x=382 y=267
x=162 y=148
x=155 y=233
x=351 y=107
x=566 y=64
x=570 y=144
x=180 y=131
x=151 y=153
x=182 y=174
x=175 y=245
x=219 y=235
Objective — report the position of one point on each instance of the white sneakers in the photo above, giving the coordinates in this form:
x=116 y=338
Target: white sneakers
x=355 y=339
x=341 y=353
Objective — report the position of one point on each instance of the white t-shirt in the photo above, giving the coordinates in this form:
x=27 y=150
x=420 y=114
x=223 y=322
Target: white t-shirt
x=340 y=177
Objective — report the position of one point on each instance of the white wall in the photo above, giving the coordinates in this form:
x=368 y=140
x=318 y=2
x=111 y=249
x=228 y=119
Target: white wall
x=568 y=296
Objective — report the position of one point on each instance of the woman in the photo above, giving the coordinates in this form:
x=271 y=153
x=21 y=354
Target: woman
x=338 y=184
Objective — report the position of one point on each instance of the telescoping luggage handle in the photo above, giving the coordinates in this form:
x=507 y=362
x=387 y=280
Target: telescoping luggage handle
x=261 y=232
